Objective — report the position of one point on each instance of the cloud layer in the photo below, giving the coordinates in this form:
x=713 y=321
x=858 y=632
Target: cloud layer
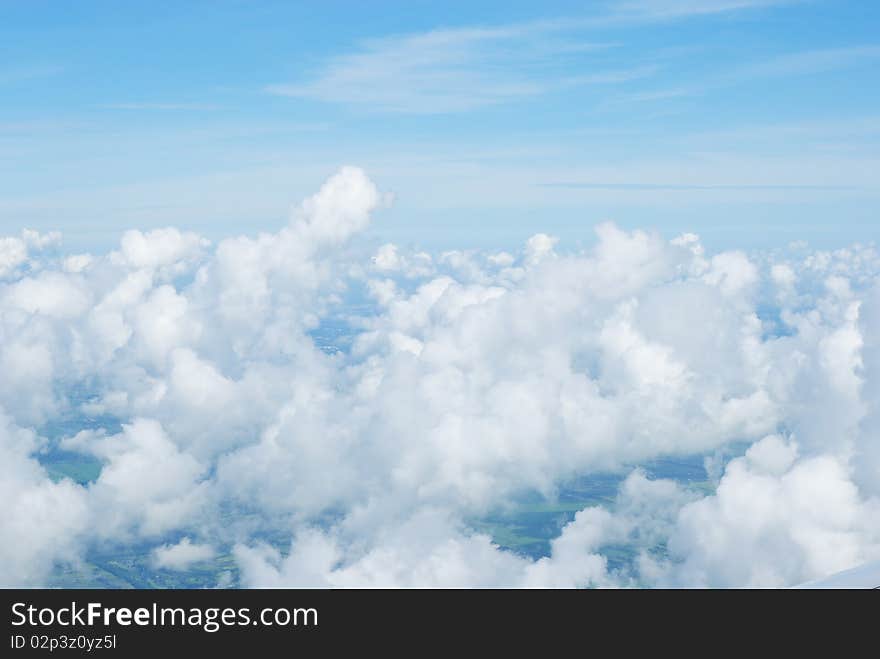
x=192 y=372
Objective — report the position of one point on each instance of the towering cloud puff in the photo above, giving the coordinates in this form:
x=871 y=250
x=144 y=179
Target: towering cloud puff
x=468 y=378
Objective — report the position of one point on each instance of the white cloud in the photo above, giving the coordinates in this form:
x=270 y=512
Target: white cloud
x=42 y=521
x=161 y=247
x=50 y=294
x=452 y=70
x=652 y=10
x=182 y=555
x=459 y=69
x=161 y=106
x=424 y=551
x=473 y=377
x=12 y=254
x=812 y=61
x=148 y=486
x=775 y=522
x=15 y=251
x=456 y=69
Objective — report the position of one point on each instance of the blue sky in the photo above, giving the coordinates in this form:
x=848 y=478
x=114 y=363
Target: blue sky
x=751 y=122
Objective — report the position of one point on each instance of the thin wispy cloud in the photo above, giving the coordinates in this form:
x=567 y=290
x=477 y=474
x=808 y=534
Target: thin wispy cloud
x=612 y=77
x=167 y=107
x=453 y=70
x=812 y=61
x=650 y=96
x=861 y=129
x=671 y=186
x=13 y=75
x=651 y=10
x=785 y=65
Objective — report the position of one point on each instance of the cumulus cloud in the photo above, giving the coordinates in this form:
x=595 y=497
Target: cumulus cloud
x=182 y=555
x=774 y=521
x=12 y=254
x=17 y=251
x=469 y=379
x=426 y=550
x=42 y=521
x=162 y=247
